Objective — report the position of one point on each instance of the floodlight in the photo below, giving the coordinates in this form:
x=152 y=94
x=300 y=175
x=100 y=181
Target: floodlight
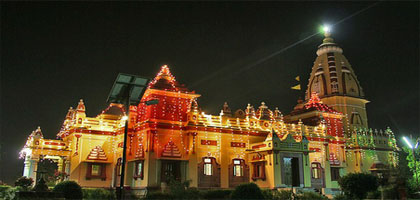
x=326 y=29
x=408 y=142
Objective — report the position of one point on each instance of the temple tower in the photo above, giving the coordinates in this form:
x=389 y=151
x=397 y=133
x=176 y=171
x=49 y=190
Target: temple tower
x=334 y=80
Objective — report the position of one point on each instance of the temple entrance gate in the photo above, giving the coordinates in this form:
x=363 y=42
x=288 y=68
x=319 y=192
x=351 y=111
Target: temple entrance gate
x=170 y=169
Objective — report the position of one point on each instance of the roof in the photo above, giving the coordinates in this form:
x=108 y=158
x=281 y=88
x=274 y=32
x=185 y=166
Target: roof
x=314 y=104
x=164 y=80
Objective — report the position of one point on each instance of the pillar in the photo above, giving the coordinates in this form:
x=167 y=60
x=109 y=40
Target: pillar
x=34 y=167
x=67 y=168
x=60 y=164
x=27 y=166
x=327 y=167
x=306 y=170
x=225 y=160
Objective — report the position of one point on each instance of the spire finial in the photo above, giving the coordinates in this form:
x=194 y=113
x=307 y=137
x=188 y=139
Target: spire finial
x=327 y=33
x=81 y=106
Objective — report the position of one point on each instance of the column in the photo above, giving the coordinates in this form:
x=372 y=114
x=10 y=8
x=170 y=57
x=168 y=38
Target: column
x=34 y=168
x=60 y=164
x=327 y=169
x=225 y=160
x=306 y=169
x=27 y=166
x=67 y=168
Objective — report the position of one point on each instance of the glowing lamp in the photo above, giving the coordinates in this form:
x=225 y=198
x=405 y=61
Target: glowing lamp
x=408 y=142
x=124 y=117
x=326 y=29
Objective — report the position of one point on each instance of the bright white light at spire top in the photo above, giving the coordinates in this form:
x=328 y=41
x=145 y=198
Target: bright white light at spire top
x=326 y=29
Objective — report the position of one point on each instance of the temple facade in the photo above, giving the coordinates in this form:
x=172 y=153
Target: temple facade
x=323 y=138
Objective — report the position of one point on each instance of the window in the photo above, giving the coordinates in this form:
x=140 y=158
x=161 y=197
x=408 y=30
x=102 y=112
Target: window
x=317 y=89
x=238 y=169
x=335 y=173
x=334 y=86
x=208 y=167
x=259 y=171
x=138 y=170
x=316 y=170
x=356 y=119
x=96 y=170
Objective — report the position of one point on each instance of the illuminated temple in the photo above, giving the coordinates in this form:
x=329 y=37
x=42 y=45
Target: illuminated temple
x=324 y=137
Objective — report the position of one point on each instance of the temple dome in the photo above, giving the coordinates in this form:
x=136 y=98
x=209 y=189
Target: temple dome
x=332 y=73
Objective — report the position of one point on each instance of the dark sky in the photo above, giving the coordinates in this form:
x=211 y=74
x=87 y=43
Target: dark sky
x=53 y=54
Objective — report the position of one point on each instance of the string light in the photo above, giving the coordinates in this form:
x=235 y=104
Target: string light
x=178 y=111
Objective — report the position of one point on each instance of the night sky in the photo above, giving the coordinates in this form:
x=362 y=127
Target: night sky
x=53 y=54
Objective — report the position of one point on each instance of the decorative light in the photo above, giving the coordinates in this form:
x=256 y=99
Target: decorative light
x=408 y=142
x=326 y=29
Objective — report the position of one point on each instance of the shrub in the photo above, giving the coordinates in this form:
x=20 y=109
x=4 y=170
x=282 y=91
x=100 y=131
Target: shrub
x=97 y=193
x=3 y=190
x=10 y=194
x=216 y=194
x=24 y=182
x=391 y=192
x=176 y=188
x=283 y=194
x=70 y=190
x=192 y=193
x=158 y=195
x=357 y=185
x=268 y=194
x=374 y=195
x=310 y=196
x=247 y=191
x=341 y=197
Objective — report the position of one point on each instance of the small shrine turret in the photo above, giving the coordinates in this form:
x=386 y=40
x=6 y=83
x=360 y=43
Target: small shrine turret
x=80 y=112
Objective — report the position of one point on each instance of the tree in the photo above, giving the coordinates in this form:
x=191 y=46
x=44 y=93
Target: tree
x=357 y=185
x=413 y=165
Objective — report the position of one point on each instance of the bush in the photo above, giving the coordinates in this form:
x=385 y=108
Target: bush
x=98 y=193
x=310 y=196
x=247 y=191
x=283 y=194
x=390 y=192
x=70 y=190
x=216 y=194
x=341 y=197
x=192 y=193
x=158 y=195
x=357 y=185
x=3 y=190
x=374 y=195
x=268 y=194
x=24 y=182
x=10 y=193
